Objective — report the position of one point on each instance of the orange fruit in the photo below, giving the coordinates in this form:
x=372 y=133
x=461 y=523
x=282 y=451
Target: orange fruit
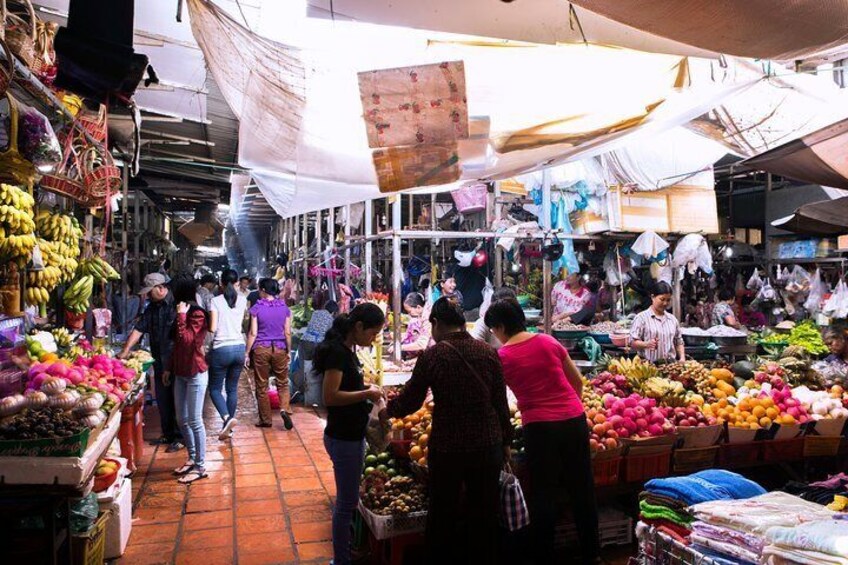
x=758 y=411
x=765 y=422
x=423 y=440
x=416 y=453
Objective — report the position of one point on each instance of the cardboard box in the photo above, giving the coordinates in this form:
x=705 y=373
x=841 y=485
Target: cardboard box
x=842 y=242
x=399 y=168
x=678 y=209
x=588 y=223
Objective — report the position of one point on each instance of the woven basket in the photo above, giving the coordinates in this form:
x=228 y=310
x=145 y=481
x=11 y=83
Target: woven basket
x=7 y=71
x=66 y=180
x=99 y=173
x=44 y=65
x=93 y=122
x=20 y=34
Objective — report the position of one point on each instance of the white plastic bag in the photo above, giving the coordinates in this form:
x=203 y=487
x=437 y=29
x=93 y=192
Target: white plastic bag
x=377 y=432
x=818 y=288
x=611 y=268
x=767 y=293
x=755 y=282
x=833 y=307
x=649 y=245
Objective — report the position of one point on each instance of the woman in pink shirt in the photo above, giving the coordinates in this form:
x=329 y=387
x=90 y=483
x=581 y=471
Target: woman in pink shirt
x=548 y=386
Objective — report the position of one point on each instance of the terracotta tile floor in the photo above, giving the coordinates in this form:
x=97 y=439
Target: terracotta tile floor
x=267 y=499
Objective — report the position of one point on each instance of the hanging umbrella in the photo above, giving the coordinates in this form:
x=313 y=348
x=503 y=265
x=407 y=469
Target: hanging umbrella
x=818 y=158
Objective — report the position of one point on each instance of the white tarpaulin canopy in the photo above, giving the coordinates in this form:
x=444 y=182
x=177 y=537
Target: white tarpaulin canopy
x=303 y=137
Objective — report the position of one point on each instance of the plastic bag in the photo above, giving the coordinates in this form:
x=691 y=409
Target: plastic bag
x=837 y=305
x=818 y=288
x=102 y=321
x=798 y=280
x=377 y=432
x=612 y=269
x=767 y=293
x=36 y=139
x=755 y=282
x=649 y=245
x=84 y=512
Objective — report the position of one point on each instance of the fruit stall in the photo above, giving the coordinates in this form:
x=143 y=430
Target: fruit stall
x=646 y=421
x=67 y=446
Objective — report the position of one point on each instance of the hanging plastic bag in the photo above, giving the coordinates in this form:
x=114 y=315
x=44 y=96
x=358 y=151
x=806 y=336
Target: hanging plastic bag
x=37 y=140
x=649 y=245
x=514 y=514
x=767 y=292
x=377 y=432
x=687 y=250
x=818 y=289
x=613 y=268
x=755 y=282
x=37 y=259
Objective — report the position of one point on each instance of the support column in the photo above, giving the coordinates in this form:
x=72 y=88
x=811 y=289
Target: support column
x=368 y=260
x=546 y=265
x=304 y=242
x=498 y=250
x=397 y=276
x=768 y=229
x=319 y=239
x=677 y=291
x=347 y=245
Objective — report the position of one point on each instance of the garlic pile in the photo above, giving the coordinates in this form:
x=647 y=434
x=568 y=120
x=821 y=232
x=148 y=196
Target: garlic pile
x=820 y=404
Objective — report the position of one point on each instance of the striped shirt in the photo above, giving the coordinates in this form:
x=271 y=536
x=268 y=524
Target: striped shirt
x=665 y=329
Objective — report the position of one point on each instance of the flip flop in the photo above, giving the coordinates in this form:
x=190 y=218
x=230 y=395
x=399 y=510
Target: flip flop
x=186 y=467
x=194 y=475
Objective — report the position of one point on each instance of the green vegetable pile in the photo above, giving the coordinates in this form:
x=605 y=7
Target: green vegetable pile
x=807 y=335
x=775 y=339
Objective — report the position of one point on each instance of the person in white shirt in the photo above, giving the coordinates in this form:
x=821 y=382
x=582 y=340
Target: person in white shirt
x=480 y=330
x=244 y=286
x=227 y=353
x=569 y=297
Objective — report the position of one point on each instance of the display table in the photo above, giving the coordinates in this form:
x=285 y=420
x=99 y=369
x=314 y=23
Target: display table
x=71 y=474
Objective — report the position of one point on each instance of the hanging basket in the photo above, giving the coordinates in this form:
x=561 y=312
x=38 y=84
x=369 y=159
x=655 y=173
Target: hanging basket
x=470 y=198
x=7 y=71
x=66 y=180
x=93 y=122
x=44 y=66
x=20 y=33
x=99 y=173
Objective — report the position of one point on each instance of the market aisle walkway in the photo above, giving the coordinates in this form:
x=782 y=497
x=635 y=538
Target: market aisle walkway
x=266 y=501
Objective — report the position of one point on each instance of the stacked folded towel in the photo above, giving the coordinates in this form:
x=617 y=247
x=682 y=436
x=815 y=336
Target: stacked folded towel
x=738 y=529
x=664 y=503
x=814 y=543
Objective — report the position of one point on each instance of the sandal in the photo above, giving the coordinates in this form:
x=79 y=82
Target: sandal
x=185 y=468
x=195 y=474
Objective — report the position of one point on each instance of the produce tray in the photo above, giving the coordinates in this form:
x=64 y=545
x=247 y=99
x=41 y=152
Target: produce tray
x=60 y=471
x=614 y=528
x=739 y=454
x=570 y=334
x=779 y=451
x=818 y=446
x=707 y=436
x=641 y=468
x=606 y=472
x=686 y=461
x=73 y=446
x=830 y=427
x=603 y=339
x=386 y=527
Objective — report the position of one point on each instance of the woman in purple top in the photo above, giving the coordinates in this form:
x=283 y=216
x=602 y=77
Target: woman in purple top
x=268 y=341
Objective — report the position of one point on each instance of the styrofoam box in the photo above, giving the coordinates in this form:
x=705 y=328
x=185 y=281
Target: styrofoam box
x=120 y=522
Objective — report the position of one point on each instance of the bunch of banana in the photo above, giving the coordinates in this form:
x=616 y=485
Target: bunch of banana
x=99 y=269
x=53 y=255
x=635 y=368
x=38 y=296
x=16 y=247
x=16 y=197
x=59 y=227
x=18 y=221
x=62 y=337
x=79 y=293
x=668 y=392
x=48 y=277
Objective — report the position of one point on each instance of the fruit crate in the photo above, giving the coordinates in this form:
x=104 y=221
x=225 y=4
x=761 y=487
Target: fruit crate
x=779 y=451
x=686 y=461
x=614 y=528
x=732 y=455
x=641 y=468
x=818 y=446
x=385 y=527
x=606 y=471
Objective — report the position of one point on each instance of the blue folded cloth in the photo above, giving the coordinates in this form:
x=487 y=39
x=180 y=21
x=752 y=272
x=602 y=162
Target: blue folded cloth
x=738 y=486
x=705 y=486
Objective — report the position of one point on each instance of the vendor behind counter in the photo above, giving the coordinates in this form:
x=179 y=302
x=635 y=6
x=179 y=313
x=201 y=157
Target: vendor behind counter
x=655 y=332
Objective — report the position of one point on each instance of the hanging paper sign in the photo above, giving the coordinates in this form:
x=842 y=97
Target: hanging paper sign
x=424 y=104
x=399 y=168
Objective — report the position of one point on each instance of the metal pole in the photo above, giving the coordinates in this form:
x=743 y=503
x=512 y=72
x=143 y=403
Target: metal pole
x=768 y=230
x=137 y=238
x=369 y=230
x=498 y=250
x=319 y=239
x=397 y=274
x=433 y=225
x=546 y=265
x=677 y=290
x=410 y=221
x=347 y=240
x=304 y=242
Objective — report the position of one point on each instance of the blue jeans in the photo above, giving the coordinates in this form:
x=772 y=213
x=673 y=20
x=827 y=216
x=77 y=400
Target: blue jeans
x=347 y=457
x=190 y=393
x=225 y=365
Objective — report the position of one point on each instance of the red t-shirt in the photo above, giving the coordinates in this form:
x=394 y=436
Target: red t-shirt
x=533 y=371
